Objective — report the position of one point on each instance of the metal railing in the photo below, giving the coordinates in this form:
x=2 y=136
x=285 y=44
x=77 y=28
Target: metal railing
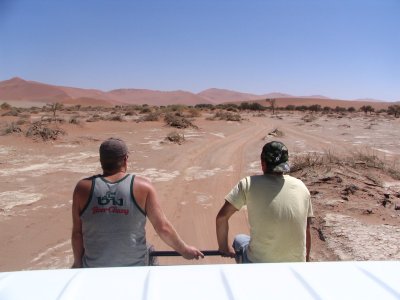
x=153 y=255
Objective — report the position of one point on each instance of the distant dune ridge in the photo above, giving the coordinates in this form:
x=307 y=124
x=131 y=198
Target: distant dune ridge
x=17 y=90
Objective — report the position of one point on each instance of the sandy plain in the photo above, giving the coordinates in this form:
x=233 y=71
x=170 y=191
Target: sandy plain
x=37 y=179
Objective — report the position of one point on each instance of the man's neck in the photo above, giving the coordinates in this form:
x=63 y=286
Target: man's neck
x=273 y=173
x=115 y=172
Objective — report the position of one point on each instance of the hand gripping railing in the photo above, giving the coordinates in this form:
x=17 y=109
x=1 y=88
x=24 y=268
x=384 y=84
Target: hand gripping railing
x=174 y=253
x=154 y=254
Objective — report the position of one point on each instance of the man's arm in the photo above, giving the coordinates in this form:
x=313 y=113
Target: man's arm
x=222 y=228
x=80 y=196
x=308 y=239
x=161 y=224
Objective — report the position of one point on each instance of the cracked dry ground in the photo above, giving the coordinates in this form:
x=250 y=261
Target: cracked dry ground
x=357 y=213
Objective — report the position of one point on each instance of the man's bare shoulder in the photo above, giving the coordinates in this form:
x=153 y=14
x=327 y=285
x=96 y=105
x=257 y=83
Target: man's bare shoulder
x=85 y=183
x=142 y=183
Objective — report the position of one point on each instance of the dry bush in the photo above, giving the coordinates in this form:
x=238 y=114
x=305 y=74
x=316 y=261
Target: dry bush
x=360 y=159
x=39 y=130
x=11 y=128
x=176 y=137
x=310 y=160
x=22 y=121
x=309 y=118
x=75 y=120
x=117 y=118
x=145 y=110
x=130 y=113
x=227 y=116
x=94 y=118
x=193 y=112
x=5 y=106
x=177 y=121
x=151 y=117
x=276 y=133
x=14 y=112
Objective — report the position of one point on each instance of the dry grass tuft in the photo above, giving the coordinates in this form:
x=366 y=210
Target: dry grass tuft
x=360 y=159
x=176 y=137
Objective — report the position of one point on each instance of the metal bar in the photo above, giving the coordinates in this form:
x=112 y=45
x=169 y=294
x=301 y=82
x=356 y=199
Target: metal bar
x=174 y=253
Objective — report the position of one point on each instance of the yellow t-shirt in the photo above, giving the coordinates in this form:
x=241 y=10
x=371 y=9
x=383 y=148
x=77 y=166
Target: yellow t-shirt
x=277 y=207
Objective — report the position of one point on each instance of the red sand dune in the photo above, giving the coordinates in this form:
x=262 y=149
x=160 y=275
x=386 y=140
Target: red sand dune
x=17 y=89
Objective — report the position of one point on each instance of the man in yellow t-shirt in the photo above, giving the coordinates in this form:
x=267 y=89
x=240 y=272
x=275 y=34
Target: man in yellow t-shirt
x=279 y=211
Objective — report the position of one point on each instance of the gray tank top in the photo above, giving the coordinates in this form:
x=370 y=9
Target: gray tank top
x=113 y=225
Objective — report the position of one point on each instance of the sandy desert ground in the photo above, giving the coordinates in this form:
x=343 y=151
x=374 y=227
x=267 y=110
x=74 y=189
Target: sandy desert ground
x=356 y=206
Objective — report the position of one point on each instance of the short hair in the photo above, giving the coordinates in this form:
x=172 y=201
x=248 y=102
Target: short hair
x=112 y=154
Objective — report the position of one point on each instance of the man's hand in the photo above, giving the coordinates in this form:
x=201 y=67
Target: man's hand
x=227 y=252
x=191 y=252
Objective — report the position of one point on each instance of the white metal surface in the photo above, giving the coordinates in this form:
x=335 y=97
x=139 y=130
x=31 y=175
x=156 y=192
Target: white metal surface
x=327 y=280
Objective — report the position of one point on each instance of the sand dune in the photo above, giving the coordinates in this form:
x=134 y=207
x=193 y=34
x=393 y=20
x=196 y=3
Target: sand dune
x=19 y=91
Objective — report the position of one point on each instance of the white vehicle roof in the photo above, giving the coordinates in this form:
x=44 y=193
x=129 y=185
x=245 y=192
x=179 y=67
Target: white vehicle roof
x=326 y=280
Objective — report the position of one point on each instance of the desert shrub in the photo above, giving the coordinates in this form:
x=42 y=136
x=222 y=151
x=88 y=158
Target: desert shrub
x=177 y=121
x=204 y=106
x=251 y=106
x=276 y=133
x=5 y=106
x=228 y=106
x=151 y=117
x=394 y=110
x=290 y=107
x=360 y=159
x=227 y=116
x=175 y=137
x=339 y=109
x=43 y=131
x=14 y=112
x=94 y=118
x=351 y=109
x=117 y=118
x=46 y=118
x=22 y=121
x=59 y=120
x=75 y=120
x=193 y=112
x=311 y=160
x=145 y=110
x=367 y=109
x=11 y=128
x=130 y=113
x=309 y=118
x=315 y=108
x=175 y=108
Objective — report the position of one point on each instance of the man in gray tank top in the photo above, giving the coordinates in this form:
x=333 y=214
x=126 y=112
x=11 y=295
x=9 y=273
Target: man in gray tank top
x=109 y=213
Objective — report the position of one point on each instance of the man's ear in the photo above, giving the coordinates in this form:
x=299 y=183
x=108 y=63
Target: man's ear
x=263 y=166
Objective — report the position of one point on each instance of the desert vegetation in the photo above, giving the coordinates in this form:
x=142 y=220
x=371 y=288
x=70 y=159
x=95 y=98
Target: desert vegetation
x=324 y=145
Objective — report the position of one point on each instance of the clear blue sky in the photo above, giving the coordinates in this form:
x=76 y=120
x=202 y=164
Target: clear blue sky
x=344 y=49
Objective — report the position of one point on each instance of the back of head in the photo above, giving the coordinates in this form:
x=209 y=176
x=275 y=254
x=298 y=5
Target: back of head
x=112 y=154
x=275 y=155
